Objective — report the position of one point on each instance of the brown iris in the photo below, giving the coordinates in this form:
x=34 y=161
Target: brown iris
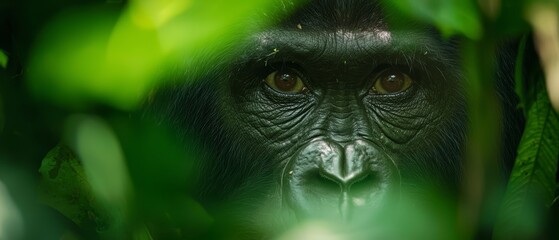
x=285 y=81
x=391 y=81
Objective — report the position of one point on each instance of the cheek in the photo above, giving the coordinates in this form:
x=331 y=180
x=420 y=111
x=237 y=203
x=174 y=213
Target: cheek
x=278 y=126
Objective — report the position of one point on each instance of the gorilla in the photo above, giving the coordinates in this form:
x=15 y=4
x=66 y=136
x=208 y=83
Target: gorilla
x=329 y=112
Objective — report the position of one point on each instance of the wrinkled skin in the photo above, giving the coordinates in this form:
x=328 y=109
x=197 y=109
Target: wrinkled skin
x=304 y=119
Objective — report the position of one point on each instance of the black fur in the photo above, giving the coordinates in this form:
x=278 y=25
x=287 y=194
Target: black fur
x=242 y=167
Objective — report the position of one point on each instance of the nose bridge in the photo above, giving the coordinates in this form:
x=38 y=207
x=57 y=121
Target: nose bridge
x=343 y=118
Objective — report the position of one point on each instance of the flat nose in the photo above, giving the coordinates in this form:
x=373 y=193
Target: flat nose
x=324 y=176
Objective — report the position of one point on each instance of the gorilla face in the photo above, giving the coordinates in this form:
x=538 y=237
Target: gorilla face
x=329 y=113
x=352 y=111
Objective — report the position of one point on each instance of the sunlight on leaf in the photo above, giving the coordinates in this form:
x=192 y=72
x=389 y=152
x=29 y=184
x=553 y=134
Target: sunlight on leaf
x=103 y=162
x=70 y=71
x=431 y=216
x=313 y=230
x=11 y=223
x=545 y=21
x=98 y=54
x=155 y=13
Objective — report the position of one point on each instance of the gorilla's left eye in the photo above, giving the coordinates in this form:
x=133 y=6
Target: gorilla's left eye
x=285 y=81
x=391 y=81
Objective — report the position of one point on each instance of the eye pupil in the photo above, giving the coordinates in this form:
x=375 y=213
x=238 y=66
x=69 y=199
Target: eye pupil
x=285 y=81
x=393 y=82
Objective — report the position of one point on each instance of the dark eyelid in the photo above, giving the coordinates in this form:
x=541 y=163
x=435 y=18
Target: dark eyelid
x=286 y=66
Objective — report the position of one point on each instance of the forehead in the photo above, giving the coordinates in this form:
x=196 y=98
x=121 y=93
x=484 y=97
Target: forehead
x=336 y=15
x=340 y=26
x=321 y=30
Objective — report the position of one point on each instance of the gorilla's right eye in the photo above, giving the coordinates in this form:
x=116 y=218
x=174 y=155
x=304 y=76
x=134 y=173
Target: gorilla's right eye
x=285 y=81
x=391 y=81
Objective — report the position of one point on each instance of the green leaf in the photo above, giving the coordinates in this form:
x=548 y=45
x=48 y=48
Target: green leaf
x=90 y=184
x=118 y=57
x=100 y=153
x=65 y=188
x=531 y=187
x=3 y=59
x=450 y=16
x=519 y=86
x=2 y=116
x=103 y=161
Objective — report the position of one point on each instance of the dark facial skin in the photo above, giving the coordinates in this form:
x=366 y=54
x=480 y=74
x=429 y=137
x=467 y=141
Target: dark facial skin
x=375 y=108
x=328 y=113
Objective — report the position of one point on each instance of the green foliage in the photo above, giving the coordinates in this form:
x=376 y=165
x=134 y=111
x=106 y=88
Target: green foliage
x=108 y=173
x=520 y=84
x=452 y=17
x=3 y=59
x=65 y=188
x=531 y=188
x=103 y=162
x=2 y=117
x=95 y=54
x=113 y=181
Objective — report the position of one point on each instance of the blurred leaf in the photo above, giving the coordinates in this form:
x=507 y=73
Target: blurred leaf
x=158 y=163
x=519 y=84
x=161 y=169
x=100 y=153
x=96 y=54
x=481 y=161
x=95 y=192
x=450 y=16
x=65 y=188
x=544 y=18
x=3 y=59
x=68 y=66
x=313 y=230
x=532 y=183
x=510 y=21
x=11 y=221
x=2 y=116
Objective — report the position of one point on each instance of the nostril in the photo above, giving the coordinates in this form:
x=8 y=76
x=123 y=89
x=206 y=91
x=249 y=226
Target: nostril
x=322 y=183
x=325 y=179
x=365 y=185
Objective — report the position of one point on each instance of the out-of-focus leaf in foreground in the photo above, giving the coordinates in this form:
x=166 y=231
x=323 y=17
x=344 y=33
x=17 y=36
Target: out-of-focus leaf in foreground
x=2 y=116
x=531 y=187
x=3 y=59
x=545 y=21
x=450 y=16
x=92 y=191
x=161 y=169
x=11 y=222
x=106 y=196
x=100 y=153
x=65 y=188
x=430 y=218
x=100 y=54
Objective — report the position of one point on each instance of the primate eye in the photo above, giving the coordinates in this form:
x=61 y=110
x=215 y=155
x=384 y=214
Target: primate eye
x=391 y=81
x=285 y=81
